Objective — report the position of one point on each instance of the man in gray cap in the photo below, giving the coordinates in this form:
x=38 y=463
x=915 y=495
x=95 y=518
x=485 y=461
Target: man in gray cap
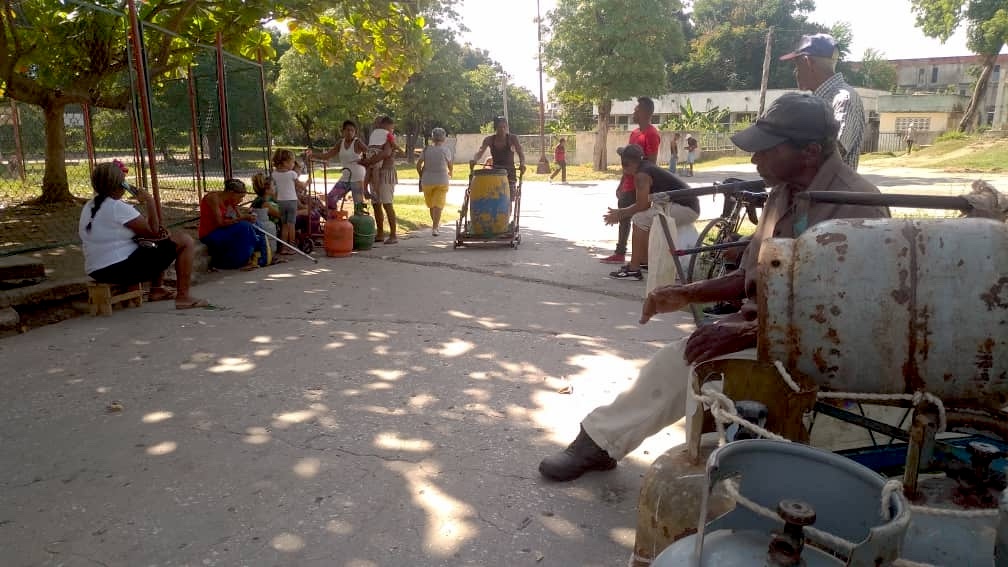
x=815 y=70
x=794 y=148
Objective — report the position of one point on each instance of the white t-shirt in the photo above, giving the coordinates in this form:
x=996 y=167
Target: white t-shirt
x=349 y=157
x=283 y=182
x=378 y=137
x=109 y=241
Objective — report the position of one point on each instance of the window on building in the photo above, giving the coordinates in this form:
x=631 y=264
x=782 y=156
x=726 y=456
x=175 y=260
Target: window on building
x=920 y=76
x=919 y=124
x=988 y=116
x=996 y=74
x=934 y=74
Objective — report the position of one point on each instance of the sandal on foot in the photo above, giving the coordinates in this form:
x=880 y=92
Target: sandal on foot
x=626 y=273
x=392 y=240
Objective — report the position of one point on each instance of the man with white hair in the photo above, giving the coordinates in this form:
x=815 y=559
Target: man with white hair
x=815 y=70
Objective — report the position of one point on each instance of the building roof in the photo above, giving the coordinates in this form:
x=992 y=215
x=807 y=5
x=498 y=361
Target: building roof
x=958 y=59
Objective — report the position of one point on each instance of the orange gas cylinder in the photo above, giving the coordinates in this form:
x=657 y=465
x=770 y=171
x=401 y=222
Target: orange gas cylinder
x=338 y=235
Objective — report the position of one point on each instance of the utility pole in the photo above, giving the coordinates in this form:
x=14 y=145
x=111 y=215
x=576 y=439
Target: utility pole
x=766 y=72
x=504 y=83
x=543 y=166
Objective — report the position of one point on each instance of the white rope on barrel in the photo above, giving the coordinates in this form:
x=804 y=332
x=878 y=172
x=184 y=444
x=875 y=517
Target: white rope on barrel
x=786 y=376
x=723 y=409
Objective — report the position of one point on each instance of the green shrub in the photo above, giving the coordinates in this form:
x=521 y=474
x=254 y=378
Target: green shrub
x=952 y=135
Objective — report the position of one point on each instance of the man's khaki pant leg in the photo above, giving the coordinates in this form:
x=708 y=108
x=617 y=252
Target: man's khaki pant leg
x=657 y=399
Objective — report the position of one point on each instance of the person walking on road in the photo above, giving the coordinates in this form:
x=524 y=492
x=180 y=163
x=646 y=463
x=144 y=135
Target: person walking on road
x=560 y=158
x=435 y=170
x=648 y=138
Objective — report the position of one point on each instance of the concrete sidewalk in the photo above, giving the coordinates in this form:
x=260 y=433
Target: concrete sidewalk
x=386 y=409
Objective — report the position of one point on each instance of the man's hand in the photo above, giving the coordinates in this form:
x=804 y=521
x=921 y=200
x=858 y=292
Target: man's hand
x=612 y=217
x=665 y=299
x=711 y=341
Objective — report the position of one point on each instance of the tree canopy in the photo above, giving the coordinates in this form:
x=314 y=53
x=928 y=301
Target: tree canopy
x=56 y=53
x=612 y=49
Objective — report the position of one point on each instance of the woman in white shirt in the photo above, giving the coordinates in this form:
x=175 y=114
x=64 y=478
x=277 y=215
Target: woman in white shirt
x=350 y=150
x=435 y=169
x=121 y=246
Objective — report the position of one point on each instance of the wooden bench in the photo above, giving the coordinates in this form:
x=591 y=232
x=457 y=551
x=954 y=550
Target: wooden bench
x=102 y=296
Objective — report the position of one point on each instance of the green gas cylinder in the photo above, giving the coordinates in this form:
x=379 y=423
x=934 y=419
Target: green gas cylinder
x=363 y=227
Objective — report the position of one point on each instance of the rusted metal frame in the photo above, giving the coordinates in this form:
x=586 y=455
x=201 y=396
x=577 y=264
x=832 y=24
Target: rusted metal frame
x=88 y=137
x=194 y=137
x=222 y=108
x=919 y=449
x=940 y=202
x=142 y=87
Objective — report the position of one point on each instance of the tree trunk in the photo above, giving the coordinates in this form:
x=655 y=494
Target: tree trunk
x=411 y=139
x=969 y=116
x=602 y=135
x=54 y=182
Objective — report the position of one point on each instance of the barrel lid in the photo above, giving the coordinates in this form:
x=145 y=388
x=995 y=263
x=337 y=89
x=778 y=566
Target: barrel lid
x=495 y=172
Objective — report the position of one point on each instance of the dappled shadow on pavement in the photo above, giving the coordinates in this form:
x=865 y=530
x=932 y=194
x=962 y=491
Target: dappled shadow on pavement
x=360 y=412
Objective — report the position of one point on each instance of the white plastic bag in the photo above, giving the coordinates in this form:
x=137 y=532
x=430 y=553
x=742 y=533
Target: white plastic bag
x=661 y=265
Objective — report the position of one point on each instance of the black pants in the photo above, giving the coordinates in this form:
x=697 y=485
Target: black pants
x=624 y=200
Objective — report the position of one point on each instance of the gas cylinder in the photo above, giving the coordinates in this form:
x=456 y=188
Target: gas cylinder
x=363 y=228
x=806 y=486
x=338 y=235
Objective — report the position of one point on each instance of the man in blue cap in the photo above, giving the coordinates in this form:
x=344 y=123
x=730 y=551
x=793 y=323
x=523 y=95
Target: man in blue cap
x=815 y=70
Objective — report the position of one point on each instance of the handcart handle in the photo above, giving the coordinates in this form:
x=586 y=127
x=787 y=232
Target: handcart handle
x=945 y=202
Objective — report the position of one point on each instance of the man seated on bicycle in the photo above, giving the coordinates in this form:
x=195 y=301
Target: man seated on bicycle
x=648 y=179
x=794 y=148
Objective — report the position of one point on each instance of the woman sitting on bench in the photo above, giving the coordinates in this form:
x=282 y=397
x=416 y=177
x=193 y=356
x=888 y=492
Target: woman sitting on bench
x=123 y=247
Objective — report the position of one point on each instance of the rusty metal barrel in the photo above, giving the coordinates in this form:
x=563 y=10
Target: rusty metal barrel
x=891 y=306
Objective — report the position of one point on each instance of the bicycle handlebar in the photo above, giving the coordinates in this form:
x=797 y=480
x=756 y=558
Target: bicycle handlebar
x=757 y=186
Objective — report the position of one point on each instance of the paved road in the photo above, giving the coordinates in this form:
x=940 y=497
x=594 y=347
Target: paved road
x=386 y=409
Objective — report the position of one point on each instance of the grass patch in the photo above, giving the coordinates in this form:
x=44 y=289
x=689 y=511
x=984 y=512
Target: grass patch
x=412 y=212
x=574 y=173
x=957 y=153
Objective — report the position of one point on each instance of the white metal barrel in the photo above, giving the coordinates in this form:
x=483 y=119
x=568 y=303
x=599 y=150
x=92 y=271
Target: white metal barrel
x=891 y=306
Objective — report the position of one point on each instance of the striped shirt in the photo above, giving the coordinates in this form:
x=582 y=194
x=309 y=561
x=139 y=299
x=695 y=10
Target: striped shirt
x=849 y=112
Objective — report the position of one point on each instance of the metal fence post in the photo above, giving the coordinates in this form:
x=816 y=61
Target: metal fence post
x=265 y=100
x=194 y=138
x=222 y=101
x=145 y=112
x=88 y=139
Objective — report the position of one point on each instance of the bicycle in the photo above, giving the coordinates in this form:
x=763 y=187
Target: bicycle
x=717 y=248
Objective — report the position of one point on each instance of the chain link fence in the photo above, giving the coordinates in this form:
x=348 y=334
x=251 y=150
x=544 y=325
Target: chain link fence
x=193 y=149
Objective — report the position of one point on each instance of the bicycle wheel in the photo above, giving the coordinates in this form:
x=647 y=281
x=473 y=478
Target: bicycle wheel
x=709 y=264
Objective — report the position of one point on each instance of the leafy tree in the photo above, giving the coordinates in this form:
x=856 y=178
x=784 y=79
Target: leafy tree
x=483 y=89
x=434 y=97
x=56 y=53
x=318 y=96
x=873 y=71
x=612 y=49
x=987 y=34
x=730 y=42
